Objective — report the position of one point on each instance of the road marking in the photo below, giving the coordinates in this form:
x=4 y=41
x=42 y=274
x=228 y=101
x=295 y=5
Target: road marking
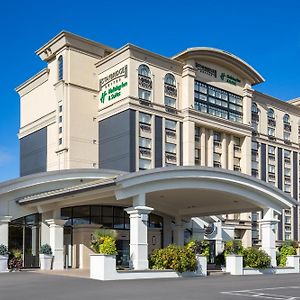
x=260 y=293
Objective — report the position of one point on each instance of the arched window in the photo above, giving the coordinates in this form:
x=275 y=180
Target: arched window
x=170 y=79
x=286 y=119
x=145 y=84
x=170 y=91
x=254 y=108
x=60 y=67
x=271 y=113
x=144 y=70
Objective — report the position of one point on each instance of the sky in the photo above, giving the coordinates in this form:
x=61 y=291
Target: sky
x=266 y=34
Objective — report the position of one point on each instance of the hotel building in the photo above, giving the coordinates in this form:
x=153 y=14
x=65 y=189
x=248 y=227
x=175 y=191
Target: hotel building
x=102 y=130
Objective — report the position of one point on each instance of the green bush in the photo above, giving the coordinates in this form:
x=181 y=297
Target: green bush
x=179 y=259
x=46 y=249
x=288 y=248
x=104 y=241
x=233 y=247
x=199 y=247
x=3 y=250
x=254 y=258
x=15 y=262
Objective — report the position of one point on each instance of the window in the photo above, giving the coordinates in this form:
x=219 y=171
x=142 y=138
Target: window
x=254 y=145
x=170 y=79
x=287 y=154
x=197 y=155
x=145 y=118
x=271 y=169
x=217 y=137
x=218 y=102
x=170 y=125
x=197 y=134
x=60 y=130
x=171 y=102
x=286 y=119
x=271 y=150
x=60 y=119
x=145 y=164
x=60 y=141
x=271 y=131
x=60 y=67
x=144 y=71
x=145 y=143
x=60 y=108
x=171 y=148
x=144 y=94
x=286 y=136
x=254 y=108
x=271 y=113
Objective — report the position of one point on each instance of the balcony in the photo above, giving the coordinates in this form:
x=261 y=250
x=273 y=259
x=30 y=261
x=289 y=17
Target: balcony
x=254 y=172
x=171 y=157
x=237 y=148
x=218 y=144
x=171 y=110
x=217 y=164
x=255 y=116
x=237 y=168
x=271 y=122
x=145 y=102
x=145 y=82
x=145 y=152
x=287 y=127
x=171 y=133
x=145 y=127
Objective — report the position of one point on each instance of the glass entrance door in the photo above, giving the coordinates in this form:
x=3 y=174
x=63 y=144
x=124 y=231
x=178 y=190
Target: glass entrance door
x=68 y=237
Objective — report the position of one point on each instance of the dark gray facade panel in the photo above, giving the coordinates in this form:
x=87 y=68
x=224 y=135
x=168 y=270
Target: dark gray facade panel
x=263 y=155
x=158 y=142
x=279 y=164
x=295 y=193
x=181 y=144
x=280 y=230
x=33 y=152
x=117 y=142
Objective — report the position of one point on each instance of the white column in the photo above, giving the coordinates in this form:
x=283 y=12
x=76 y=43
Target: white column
x=139 y=236
x=188 y=143
x=210 y=148
x=4 y=221
x=247 y=104
x=203 y=146
x=179 y=232
x=268 y=235
x=246 y=155
x=224 y=151
x=57 y=242
x=231 y=153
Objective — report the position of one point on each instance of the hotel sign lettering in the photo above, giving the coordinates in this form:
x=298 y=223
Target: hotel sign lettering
x=122 y=72
x=113 y=92
x=206 y=70
x=230 y=78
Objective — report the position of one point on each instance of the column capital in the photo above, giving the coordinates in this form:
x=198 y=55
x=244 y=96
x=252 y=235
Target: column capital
x=248 y=92
x=5 y=219
x=268 y=221
x=53 y=222
x=139 y=210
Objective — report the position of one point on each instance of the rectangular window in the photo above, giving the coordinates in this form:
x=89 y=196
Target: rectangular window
x=60 y=130
x=171 y=148
x=60 y=119
x=271 y=169
x=144 y=94
x=254 y=145
x=217 y=136
x=271 y=150
x=145 y=143
x=197 y=154
x=271 y=131
x=60 y=141
x=60 y=108
x=145 y=164
x=286 y=136
x=144 y=118
x=170 y=125
x=170 y=102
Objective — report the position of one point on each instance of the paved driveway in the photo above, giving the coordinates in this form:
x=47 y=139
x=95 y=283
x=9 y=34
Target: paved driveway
x=36 y=286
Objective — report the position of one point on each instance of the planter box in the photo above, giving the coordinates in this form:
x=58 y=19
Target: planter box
x=234 y=264
x=102 y=267
x=202 y=265
x=3 y=263
x=46 y=261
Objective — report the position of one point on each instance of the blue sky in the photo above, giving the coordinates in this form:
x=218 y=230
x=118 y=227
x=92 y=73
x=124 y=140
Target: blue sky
x=266 y=34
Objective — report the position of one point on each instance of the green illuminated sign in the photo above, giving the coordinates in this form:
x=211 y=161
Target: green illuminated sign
x=113 y=92
x=230 y=79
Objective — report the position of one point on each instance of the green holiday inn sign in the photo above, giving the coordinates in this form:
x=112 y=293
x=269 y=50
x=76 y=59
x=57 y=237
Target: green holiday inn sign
x=113 y=92
x=230 y=79
x=110 y=85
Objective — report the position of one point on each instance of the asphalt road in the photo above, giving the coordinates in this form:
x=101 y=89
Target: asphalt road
x=34 y=286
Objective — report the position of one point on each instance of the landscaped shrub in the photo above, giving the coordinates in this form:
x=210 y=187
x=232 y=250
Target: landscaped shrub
x=179 y=259
x=16 y=262
x=233 y=247
x=3 y=250
x=199 y=247
x=104 y=241
x=288 y=248
x=46 y=249
x=220 y=259
x=255 y=258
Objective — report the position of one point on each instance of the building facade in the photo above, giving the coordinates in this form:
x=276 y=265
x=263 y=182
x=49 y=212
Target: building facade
x=130 y=110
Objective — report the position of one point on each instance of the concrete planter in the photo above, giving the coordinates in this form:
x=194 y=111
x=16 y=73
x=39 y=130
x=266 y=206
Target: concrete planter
x=46 y=261
x=3 y=263
x=234 y=264
x=102 y=267
x=202 y=265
